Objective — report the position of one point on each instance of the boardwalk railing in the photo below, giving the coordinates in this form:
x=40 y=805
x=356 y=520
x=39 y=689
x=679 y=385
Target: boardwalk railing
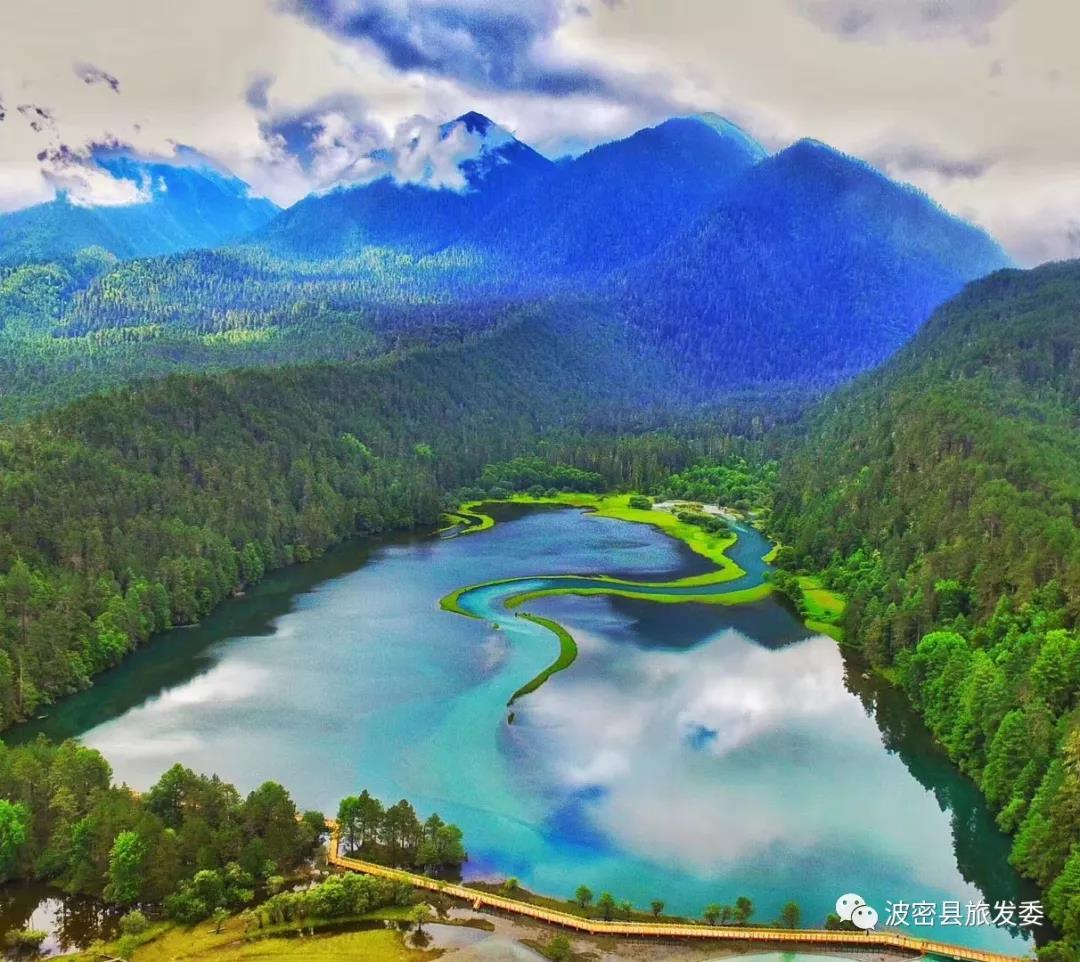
x=672 y=930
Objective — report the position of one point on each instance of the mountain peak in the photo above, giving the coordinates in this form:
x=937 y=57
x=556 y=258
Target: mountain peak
x=809 y=144
x=429 y=188
x=817 y=151
x=475 y=123
x=809 y=158
x=701 y=134
x=729 y=130
x=486 y=149
x=898 y=210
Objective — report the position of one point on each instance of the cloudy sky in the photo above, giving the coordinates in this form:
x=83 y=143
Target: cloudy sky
x=975 y=101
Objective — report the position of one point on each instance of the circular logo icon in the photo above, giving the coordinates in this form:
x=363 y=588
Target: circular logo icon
x=864 y=917
x=847 y=904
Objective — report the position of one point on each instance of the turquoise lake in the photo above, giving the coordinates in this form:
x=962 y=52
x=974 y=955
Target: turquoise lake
x=692 y=753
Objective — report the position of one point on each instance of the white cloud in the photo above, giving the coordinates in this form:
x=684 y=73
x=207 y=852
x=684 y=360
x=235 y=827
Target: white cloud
x=917 y=19
x=426 y=152
x=88 y=185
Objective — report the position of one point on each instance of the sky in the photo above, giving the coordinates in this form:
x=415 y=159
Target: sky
x=975 y=101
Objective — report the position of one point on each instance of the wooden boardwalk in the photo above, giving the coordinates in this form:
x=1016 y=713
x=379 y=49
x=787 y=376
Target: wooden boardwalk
x=771 y=937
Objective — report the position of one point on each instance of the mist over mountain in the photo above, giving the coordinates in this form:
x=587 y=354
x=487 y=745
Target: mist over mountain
x=179 y=207
x=420 y=198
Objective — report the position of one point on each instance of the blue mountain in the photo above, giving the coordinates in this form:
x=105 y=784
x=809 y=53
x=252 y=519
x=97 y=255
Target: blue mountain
x=473 y=166
x=619 y=201
x=187 y=205
x=535 y=218
x=806 y=266
x=813 y=267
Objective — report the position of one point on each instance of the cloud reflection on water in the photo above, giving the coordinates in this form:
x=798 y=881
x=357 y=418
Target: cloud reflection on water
x=165 y=723
x=729 y=752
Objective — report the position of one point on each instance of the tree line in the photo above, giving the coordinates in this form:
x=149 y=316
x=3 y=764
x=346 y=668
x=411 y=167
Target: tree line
x=193 y=846
x=715 y=913
x=192 y=843
x=141 y=509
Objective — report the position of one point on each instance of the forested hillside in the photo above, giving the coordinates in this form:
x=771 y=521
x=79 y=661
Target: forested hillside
x=76 y=326
x=813 y=267
x=129 y=512
x=942 y=495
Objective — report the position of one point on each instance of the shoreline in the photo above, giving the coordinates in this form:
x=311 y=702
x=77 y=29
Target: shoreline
x=820 y=603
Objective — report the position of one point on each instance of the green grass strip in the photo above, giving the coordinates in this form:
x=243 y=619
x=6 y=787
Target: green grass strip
x=452 y=601
x=824 y=607
x=825 y=628
x=568 y=652
x=741 y=597
x=467 y=519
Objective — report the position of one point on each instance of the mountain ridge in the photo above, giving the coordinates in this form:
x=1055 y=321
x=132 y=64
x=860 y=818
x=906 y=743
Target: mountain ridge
x=416 y=214
x=182 y=207
x=617 y=201
x=794 y=271
x=815 y=249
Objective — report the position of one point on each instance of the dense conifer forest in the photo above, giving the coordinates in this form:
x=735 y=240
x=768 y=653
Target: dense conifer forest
x=129 y=512
x=191 y=838
x=192 y=847
x=941 y=494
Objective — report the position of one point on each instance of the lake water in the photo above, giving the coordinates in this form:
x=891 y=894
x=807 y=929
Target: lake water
x=71 y=922
x=692 y=753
